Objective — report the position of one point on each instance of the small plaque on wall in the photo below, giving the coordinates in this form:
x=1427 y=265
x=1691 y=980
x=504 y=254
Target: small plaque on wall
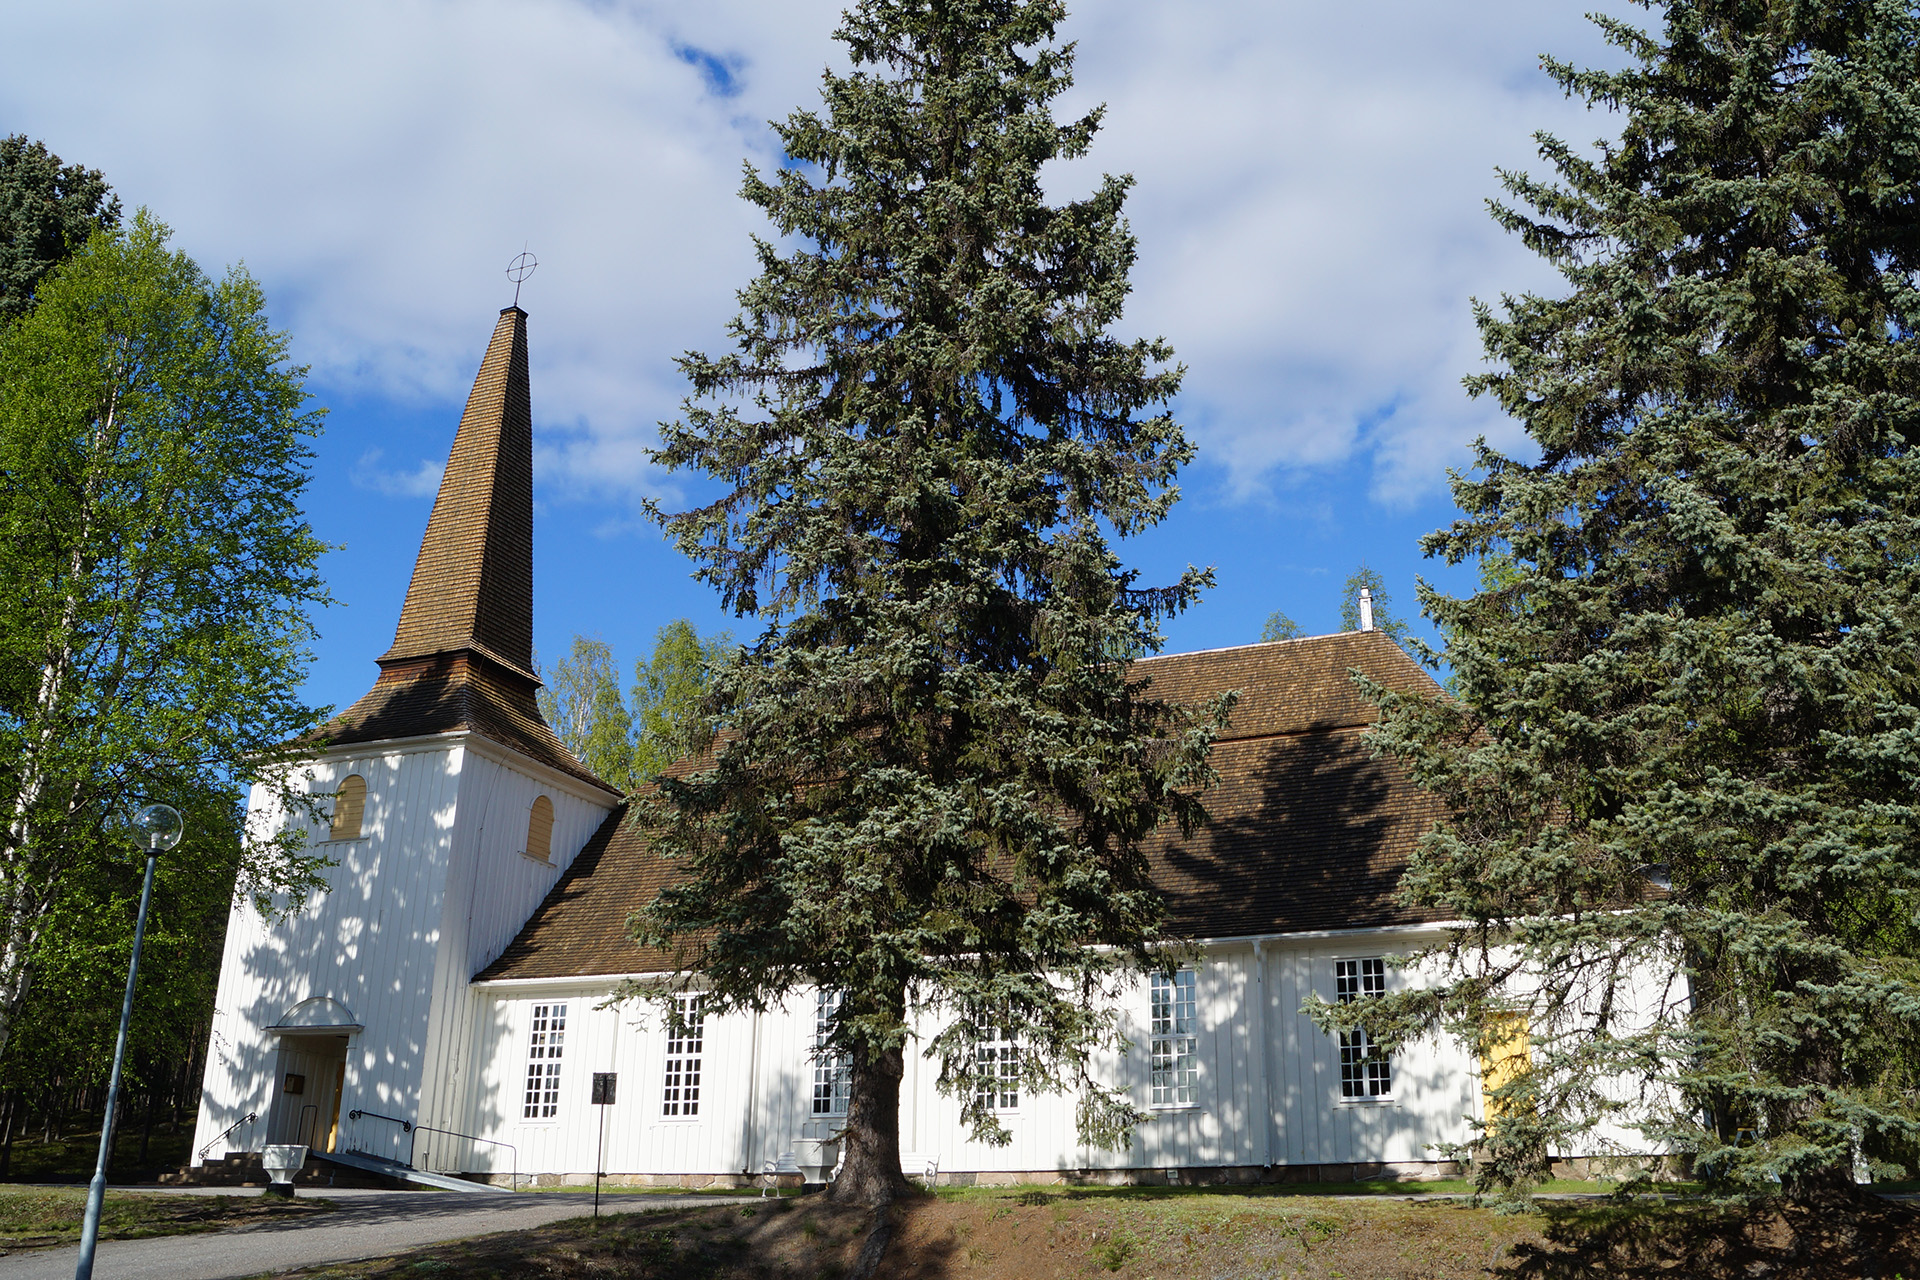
x=295 y=1084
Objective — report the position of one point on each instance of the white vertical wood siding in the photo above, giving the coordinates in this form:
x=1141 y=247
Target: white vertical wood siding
x=432 y=889
x=1268 y=1079
x=630 y=1041
x=1269 y=1084
x=492 y=887
x=368 y=941
x=1434 y=1082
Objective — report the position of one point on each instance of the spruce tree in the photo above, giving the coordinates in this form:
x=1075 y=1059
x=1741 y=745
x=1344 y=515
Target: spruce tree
x=935 y=777
x=1698 y=662
x=47 y=211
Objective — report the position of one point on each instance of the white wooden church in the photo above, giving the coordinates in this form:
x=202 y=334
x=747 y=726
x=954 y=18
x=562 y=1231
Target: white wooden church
x=442 y=1004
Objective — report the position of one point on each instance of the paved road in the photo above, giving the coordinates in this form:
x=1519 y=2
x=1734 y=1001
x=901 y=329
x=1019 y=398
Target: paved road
x=367 y=1224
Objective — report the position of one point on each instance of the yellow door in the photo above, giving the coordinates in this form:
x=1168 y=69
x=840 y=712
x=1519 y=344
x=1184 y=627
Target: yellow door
x=1507 y=1058
x=339 y=1087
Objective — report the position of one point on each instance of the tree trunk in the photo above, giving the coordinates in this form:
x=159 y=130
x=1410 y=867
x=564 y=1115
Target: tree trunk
x=870 y=1172
x=146 y=1128
x=23 y=900
x=6 y=1135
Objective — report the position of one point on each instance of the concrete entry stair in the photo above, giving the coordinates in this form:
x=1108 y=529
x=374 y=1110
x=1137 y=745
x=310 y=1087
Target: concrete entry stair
x=385 y=1168
x=243 y=1169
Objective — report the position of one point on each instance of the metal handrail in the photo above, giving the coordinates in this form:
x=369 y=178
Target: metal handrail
x=220 y=1137
x=406 y=1126
x=470 y=1137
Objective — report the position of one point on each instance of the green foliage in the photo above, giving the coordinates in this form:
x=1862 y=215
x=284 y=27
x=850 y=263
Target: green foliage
x=153 y=612
x=669 y=695
x=581 y=701
x=1115 y=1253
x=1376 y=586
x=47 y=211
x=1280 y=627
x=1696 y=652
x=935 y=778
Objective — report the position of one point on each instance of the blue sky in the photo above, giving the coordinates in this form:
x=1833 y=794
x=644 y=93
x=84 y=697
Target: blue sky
x=1310 y=206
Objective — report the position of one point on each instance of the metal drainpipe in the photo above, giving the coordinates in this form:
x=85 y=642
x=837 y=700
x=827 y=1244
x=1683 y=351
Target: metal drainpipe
x=753 y=1096
x=1264 y=1049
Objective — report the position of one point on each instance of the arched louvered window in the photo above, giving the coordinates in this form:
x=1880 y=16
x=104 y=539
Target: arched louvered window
x=540 y=830
x=349 y=804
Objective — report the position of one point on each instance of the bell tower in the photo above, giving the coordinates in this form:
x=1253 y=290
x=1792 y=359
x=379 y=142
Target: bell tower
x=448 y=809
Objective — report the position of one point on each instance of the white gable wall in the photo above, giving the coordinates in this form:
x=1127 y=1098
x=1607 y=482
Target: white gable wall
x=368 y=941
x=434 y=886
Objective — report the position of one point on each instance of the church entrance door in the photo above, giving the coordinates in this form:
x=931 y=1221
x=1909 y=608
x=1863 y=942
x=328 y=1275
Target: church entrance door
x=339 y=1087
x=306 y=1109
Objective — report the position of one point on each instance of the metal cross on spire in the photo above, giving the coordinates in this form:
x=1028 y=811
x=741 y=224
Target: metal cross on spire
x=518 y=270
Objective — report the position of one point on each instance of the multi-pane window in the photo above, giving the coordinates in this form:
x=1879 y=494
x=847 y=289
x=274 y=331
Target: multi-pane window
x=998 y=1062
x=1173 y=1047
x=680 y=1095
x=830 y=1067
x=545 y=1041
x=1365 y=1071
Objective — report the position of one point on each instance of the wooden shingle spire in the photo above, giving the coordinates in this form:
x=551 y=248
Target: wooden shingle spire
x=472 y=588
x=462 y=656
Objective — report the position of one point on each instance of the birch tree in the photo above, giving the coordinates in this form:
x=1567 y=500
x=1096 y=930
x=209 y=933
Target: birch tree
x=581 y=700
x=156 y=579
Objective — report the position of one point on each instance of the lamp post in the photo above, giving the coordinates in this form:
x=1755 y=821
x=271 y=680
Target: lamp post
x=157 y=828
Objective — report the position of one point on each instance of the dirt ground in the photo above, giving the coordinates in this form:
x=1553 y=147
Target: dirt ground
x=1044 y=1234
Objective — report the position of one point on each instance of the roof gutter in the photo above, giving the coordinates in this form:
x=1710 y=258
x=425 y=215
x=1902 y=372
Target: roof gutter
x=1256 y=940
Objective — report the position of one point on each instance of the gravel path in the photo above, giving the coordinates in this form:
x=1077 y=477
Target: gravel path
x=367 y=1224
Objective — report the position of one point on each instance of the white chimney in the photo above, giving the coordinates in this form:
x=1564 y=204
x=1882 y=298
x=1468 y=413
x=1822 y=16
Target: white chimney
x=1366 y=609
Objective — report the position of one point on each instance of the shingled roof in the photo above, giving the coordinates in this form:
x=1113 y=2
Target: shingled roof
x=462 y=656
x=1307 y=831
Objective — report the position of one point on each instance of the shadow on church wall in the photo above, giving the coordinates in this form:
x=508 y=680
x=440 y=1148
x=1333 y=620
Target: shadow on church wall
x=369 y=942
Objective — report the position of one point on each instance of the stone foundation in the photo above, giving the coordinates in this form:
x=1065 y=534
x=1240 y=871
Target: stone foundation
x=1213 y=1175
x=1207 y=1176
x=674 y=1181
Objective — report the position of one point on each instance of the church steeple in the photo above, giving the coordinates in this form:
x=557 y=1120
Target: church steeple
x=462 y=656
x=472 y=588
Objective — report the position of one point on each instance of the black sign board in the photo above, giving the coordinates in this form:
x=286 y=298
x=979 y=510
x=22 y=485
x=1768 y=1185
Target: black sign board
x=603 y=1086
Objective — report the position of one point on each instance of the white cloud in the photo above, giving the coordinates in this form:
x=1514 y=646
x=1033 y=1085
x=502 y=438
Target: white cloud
x=421 y=482
x=1310 y=200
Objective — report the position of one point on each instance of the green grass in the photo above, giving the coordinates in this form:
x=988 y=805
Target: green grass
x=40 y=1217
